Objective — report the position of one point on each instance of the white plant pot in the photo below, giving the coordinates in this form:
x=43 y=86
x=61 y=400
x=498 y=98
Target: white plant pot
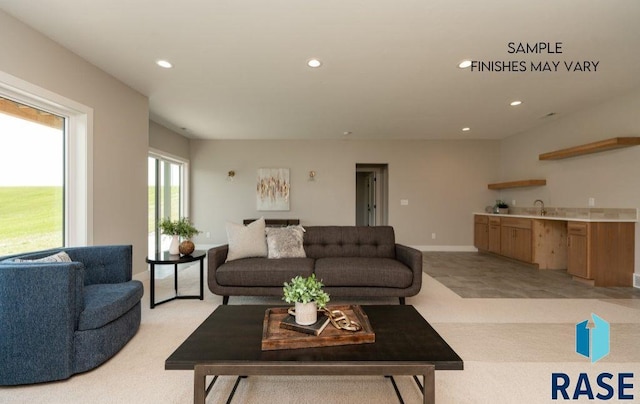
x=174 y=248
x=306 y=313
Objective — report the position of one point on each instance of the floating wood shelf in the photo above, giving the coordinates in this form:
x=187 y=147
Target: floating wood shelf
x=609 y=144
x=516 y=184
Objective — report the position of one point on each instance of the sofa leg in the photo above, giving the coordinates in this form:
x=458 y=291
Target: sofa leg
x=402 y=302
x=225 y=300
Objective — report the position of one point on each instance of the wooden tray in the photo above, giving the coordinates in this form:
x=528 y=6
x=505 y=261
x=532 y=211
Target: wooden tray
x=274 y=337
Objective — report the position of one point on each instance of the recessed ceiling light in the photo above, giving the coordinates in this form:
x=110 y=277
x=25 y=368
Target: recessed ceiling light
x=466 y=129
x=314 y=63
x=515 y=103
x=165 y=64
x=464 y=64
x=347 y=133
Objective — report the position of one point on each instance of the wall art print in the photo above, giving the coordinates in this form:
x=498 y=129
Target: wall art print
x=273 y=189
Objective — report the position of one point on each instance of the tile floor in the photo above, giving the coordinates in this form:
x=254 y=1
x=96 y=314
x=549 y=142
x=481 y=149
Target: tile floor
x=476 y=275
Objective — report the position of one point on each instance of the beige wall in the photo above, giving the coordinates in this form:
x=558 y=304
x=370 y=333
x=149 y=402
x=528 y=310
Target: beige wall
x=610 y=177
x=444 y=181
x=120 y=130
x=166 y=140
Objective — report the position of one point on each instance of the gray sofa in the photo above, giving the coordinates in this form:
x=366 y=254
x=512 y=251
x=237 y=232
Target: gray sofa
x=351 y=261
x=61 y=318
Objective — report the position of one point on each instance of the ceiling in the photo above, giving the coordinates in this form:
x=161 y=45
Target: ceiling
x=389 y=68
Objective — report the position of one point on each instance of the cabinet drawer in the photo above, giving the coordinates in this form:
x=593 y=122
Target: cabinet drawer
x=481 y=219
x=494 y=221
x=516 y=222
x=577 y=229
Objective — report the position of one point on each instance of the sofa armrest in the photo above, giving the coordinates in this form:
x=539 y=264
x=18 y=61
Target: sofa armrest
x=104 y=264
x=39 y=308
x=413 y=259
x=216 y=256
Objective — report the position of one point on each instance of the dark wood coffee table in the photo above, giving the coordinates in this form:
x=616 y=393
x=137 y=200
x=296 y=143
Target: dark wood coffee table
x=228 y=342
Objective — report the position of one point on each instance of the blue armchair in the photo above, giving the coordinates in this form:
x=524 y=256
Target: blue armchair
x=62 y=318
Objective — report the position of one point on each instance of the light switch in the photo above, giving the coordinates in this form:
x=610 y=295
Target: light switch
x=404 y=202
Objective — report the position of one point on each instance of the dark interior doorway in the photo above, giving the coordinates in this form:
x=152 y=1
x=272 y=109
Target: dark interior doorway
x=371 y=194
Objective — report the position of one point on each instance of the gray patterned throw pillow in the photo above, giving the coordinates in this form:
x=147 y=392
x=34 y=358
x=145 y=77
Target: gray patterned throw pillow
x=285 y=242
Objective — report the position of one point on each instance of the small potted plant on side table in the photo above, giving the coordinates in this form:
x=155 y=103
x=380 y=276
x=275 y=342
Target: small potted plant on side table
x=179 y=228
x=308 y=296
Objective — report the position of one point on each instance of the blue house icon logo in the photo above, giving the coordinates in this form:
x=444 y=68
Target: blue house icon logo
x=593 y=342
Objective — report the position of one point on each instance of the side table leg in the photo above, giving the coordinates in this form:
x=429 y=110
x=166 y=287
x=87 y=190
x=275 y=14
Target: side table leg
x=175 y=278
x=152 y=286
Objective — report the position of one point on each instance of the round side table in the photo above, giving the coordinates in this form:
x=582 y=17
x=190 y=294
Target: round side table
x=164 y=258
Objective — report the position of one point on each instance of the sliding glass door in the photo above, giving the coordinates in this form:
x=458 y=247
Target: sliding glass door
x=167 y=196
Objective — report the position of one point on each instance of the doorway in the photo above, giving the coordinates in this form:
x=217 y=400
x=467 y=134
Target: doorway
x=167 y=179
x=371 y=194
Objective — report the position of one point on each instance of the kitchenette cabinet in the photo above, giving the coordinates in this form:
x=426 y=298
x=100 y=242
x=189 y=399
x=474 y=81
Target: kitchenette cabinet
x=481 y=232
x=578 y=261
x=599 y=252
x=494 y=235
x=515 y=238
x=486 y=233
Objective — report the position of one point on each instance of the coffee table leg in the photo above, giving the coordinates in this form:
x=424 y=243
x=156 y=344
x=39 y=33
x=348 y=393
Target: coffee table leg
x=429 y=391
x=199 y=381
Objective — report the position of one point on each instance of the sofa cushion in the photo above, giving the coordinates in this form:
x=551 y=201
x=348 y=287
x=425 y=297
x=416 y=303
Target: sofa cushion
x=349 y=241
x=262 y=271
x=285 y=242
x=107 y=302
x=246 y=241
x=359 y=271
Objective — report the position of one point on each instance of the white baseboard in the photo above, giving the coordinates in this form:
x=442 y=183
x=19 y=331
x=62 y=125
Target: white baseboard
x=636 y=280
x=449 y=248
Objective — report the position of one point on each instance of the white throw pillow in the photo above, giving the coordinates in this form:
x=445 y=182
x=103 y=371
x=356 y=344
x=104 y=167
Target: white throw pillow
x=246 y=241
x=58 y=257
x=286 y=242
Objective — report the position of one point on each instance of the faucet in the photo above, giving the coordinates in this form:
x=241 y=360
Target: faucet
x=542 y=210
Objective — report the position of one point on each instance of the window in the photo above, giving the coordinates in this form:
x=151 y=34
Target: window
x=73 y=164
x=167 y=196
x=32 y=180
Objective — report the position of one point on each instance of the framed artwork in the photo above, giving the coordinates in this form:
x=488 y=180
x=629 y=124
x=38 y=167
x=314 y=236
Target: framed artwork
x=273 y=189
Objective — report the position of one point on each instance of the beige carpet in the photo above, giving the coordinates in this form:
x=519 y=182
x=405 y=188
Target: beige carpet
x=510 y=348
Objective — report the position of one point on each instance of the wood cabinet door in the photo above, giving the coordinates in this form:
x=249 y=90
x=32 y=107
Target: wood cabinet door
x=494 y=238
x=506 y=241
x=577 y=250
x=522 y=244
x=516 y=243
x=577 y=256
x=481 y=236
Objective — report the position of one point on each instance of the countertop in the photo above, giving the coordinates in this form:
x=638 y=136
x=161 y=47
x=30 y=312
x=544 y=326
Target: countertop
x=563 y=218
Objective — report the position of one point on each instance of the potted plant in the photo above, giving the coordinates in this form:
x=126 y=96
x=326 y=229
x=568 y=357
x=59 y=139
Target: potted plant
x=308 y=296
x=179 y=228
x=501 y=207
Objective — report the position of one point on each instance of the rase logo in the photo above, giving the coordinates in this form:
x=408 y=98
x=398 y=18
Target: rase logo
x=593 y=343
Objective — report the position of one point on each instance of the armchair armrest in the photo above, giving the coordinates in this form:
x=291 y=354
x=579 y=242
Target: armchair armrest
x=39 y=308
x=413 y=259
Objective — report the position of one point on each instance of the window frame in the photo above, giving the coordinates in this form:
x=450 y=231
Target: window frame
x=78 y=190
